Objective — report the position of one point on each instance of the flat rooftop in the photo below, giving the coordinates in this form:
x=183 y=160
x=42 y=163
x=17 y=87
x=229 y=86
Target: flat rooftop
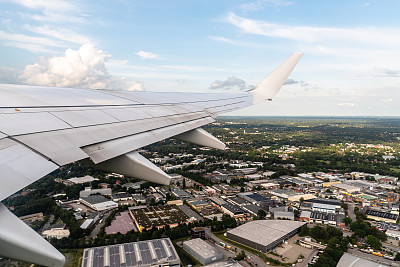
x=265 y=232
x=201 y=247
x=149 y=217
x=142 y=253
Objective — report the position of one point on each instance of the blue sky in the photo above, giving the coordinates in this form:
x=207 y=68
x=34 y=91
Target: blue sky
x=350 y=67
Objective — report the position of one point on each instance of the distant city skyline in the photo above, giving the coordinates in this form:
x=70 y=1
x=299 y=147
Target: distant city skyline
x=350 y=67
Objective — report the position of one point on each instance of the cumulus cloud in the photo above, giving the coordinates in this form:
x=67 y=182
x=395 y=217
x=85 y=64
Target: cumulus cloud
x=82 y=68
x=146 y=55
x=232 y=83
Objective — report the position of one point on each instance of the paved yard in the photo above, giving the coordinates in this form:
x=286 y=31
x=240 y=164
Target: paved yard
x=290 y=252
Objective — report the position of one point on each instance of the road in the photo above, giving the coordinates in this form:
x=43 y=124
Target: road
x=46 y=225
x=350 y=211
x=250 y=256
x=307 y=259
x=98 y=226
x=391 y=247
x=372 y=257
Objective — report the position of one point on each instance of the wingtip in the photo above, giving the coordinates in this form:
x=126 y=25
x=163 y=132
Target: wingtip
x=271 y=85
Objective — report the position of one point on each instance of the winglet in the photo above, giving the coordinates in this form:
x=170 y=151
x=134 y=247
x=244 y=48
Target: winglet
x=271 y=85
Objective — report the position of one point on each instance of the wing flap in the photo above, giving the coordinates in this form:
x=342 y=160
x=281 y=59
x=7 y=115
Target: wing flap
x=106 y=150
x=64 y=146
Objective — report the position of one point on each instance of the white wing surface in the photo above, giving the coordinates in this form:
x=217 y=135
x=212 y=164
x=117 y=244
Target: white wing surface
x=44 y=128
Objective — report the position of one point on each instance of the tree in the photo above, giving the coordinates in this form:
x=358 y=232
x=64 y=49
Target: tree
x=241 y=256
x=304 y=231
x=261 y=214
x=347 y=220
x=318 y=232
x=374 y=242
x=397 y=257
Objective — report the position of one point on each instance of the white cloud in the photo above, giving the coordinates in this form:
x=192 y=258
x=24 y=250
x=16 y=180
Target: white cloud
x=387 y=37
x=59 y=33
x=147 y=55
x=232 y=83
x=348 y=104
x=30 y=43
x=260 y=4
x=45 y=4
x=83 y=68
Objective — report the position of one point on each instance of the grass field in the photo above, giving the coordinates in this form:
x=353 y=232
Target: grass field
x=73 y=257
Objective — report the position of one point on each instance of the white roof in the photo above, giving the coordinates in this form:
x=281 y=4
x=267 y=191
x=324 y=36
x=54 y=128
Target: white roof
x=351 y=260
x=105 y=205
x=265 y=232
x=81 y=180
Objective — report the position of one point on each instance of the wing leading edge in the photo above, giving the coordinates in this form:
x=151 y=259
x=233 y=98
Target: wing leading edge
x=42 y=129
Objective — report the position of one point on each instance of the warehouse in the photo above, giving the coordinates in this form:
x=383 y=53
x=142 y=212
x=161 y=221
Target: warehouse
x=158 y=216
x=98 y=203
x=202 y=251
x=264 y=235
x=157 y=252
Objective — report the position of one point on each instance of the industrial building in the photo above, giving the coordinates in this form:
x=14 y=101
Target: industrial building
x=157 y=216
x=198 y=232
x=351 y=260
x=89 y=191
x=378 y=215
x=202 y=251
x=322 y=218
x=98 y=203
x=157 y=252
x=264 y=235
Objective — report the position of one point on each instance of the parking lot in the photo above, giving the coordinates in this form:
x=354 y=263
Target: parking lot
x=290 y=251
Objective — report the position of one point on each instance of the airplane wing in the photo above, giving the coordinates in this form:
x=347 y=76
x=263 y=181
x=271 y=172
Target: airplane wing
x=43 y=128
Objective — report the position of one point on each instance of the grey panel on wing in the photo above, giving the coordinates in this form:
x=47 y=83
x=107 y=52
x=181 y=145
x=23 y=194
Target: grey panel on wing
x=20 y=167
x=18 y=96
x=25 y=123
x=19 y=241
x=64 y=146
x=85 y=117
x=106 y=150
x=226 y=108
x=127 y=114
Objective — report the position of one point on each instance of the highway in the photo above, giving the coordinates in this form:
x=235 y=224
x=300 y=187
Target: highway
x=372 y=257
